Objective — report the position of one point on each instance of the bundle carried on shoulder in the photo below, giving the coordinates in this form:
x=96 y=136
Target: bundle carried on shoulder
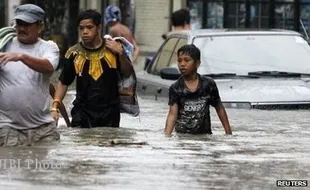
x=6 y=35
x=127 y=85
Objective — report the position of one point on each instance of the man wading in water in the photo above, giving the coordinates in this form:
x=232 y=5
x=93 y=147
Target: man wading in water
x=25 y=70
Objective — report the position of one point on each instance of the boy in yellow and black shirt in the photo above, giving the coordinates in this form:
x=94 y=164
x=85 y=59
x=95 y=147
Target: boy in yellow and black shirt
x=97 y=65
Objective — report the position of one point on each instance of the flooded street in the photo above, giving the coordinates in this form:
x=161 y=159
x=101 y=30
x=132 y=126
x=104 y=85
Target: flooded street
x=266 y=146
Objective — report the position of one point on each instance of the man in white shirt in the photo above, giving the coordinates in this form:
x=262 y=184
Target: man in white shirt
x=25 y=70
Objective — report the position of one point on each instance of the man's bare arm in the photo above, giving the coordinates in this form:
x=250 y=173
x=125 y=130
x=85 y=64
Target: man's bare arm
x=38 y=64
x=221 y=112
x=114 y=32
x=171 y=119
x=41 y=65
x=136 y=51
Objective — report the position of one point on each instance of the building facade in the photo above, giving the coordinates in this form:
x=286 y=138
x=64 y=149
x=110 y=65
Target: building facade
x=282 y=14
x=152 y=16
x=149 y=19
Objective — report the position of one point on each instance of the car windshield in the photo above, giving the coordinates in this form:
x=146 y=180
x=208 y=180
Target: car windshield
x=242 y=54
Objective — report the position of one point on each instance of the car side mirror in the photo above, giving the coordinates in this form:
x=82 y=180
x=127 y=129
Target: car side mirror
x=170 y=73
x=164 y=36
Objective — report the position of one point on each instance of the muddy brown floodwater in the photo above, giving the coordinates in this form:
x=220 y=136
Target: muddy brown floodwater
x=266 y=146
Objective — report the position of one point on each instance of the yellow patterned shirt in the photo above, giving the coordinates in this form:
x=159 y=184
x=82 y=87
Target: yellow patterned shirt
x=97 y=76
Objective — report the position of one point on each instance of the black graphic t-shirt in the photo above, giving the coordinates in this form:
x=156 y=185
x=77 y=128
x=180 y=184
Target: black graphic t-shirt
x=193 y=112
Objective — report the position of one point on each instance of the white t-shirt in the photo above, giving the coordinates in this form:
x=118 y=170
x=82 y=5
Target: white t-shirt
x=24 y=93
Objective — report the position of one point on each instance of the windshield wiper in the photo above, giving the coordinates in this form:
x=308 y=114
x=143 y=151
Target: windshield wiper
x=229 y=75
x=220 y=75
x=275 y=74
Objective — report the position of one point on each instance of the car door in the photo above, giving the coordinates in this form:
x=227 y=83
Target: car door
x=165 y=57
x=173 y=60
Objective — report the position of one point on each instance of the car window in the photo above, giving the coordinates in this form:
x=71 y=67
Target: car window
x=173 y=61
x=164 y=55
x=246 y=53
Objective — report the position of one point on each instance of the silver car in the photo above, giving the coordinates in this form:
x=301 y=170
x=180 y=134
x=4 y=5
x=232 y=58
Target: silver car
x=252 y=69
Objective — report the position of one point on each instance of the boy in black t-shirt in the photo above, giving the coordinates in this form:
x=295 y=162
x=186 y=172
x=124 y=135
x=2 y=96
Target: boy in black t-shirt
x=96 y=64
x=190 y=97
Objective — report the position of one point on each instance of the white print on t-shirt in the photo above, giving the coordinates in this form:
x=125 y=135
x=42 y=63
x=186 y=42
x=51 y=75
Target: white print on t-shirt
x=195 y=106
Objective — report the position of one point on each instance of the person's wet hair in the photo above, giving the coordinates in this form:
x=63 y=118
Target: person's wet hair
x=90 y=14
x=180 y=17
x=190 y=50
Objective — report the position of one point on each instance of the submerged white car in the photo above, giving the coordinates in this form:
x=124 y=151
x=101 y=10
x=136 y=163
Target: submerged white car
x=252 y=69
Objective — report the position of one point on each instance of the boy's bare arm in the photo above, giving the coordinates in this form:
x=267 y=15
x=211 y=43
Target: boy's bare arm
x=171 y=119
x=59 y=95
x=221 y=112
x=62 y=107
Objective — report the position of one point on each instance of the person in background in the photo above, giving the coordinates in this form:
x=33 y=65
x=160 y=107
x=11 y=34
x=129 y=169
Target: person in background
x=95 y=63
x=190 y=97
x=180 y=21
x=113 y=19
x=25 y=70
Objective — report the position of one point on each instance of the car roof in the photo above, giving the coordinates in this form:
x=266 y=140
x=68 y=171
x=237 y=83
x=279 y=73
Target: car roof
x=224 y=32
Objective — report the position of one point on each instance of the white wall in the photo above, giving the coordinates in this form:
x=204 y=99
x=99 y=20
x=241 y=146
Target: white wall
x=152 y=20
x=90 y=4
x=177 y=4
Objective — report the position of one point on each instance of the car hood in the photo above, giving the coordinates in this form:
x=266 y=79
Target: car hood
x=260 y=91
x=264 y=90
